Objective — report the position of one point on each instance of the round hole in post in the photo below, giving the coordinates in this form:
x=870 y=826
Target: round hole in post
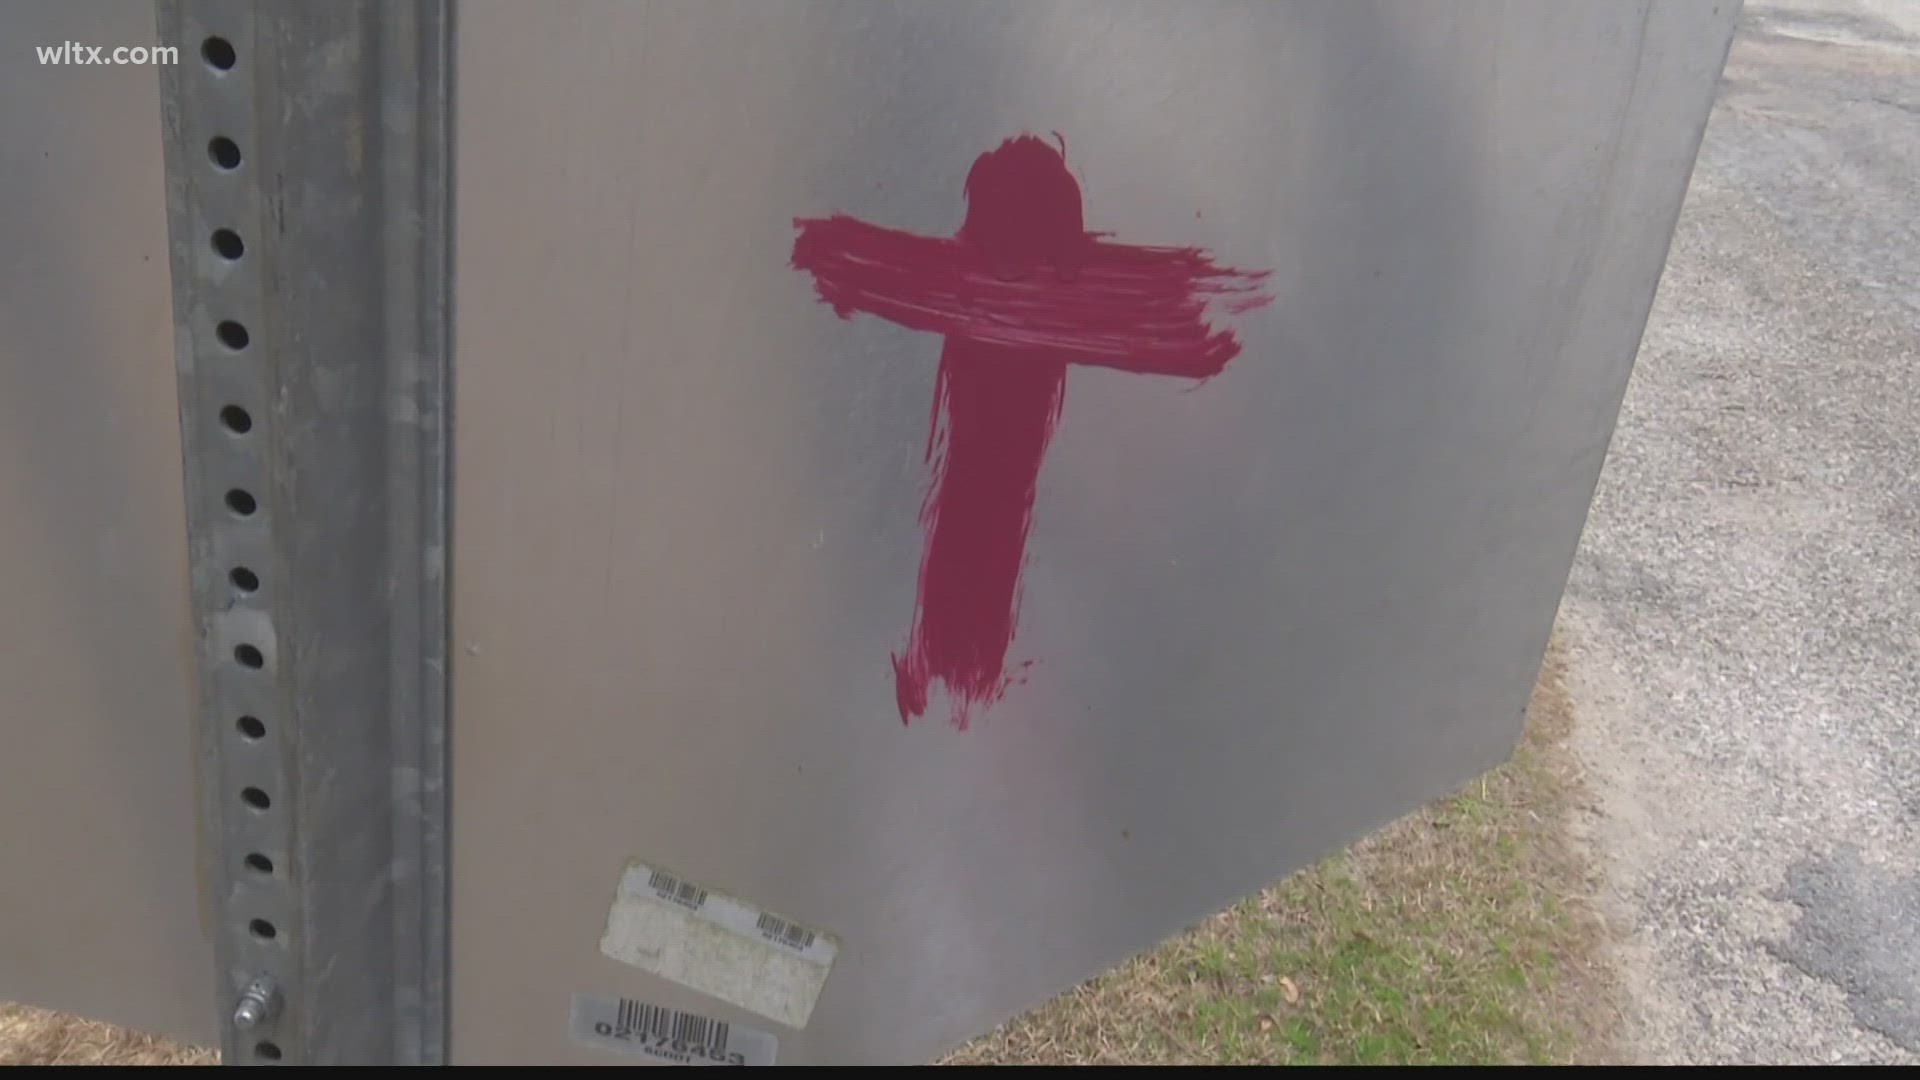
x=242 y=502
x=259 y=863
x=244 y=579
x=236 y=419
x=251 y=728
x=266 y=1051
x=218 y=53
x=255 y=798
x=263 y=930
x=232 y=335
x=249 y=657
x=224 y=152
x=228 y=244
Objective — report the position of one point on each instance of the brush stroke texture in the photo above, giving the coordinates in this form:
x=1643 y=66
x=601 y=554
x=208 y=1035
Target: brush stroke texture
x=1020 y=292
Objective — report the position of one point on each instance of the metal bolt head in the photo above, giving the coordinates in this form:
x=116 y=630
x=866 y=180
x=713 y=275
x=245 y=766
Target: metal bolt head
x=258 y=1003
x=248 y=1013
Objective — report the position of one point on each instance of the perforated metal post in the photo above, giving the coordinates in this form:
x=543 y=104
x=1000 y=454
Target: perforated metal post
x=306 y=151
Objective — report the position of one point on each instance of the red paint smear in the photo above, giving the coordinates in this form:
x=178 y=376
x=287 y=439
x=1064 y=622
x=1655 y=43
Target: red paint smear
x=1090 y=301
x=1020 y=292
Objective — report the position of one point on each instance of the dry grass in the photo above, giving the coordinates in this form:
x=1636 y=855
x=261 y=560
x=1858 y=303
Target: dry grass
x=37 y=1037
x=1461 y=934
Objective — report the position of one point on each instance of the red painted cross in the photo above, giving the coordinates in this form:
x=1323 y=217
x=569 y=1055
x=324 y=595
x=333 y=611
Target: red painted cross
x=1020 y=292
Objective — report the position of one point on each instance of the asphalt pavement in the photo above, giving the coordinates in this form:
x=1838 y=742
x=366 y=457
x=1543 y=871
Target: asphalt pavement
x=1744 y=616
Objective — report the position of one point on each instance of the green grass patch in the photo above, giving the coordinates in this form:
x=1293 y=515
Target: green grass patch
x=1459 y=935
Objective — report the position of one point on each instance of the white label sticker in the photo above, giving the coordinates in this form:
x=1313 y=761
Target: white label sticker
x=641 y=880
x=718 y=944
x=669 y=1035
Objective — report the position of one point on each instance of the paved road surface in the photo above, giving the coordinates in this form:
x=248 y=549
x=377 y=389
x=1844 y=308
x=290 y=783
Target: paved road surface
x=1745 y=613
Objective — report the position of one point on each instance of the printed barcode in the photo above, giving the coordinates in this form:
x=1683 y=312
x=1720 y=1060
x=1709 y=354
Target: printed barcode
x=778 y=929
x=669 y=1035
x=639 y=1018
x=684 y=893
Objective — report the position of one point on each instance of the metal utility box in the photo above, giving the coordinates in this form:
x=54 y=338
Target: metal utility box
x=775 y=532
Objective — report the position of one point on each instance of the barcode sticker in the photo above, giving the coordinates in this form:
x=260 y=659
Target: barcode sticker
x=726 y=912
x=685 y=893
x=718 y=944
x=669 y=1035
x=781 y=932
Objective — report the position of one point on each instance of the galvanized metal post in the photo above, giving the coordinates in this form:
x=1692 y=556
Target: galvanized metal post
x=306 y=160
